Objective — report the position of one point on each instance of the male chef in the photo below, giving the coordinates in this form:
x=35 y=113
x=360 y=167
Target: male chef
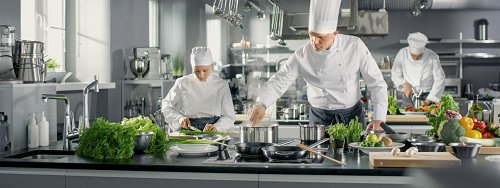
x=417 y=69
x=201 y=100
x=331 y=64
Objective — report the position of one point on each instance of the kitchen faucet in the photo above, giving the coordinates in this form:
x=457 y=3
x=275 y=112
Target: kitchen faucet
x=86 y=90
x=68 y=132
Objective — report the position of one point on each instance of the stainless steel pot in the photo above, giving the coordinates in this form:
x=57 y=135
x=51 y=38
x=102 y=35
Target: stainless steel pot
x=312 y=133
x=265 y=131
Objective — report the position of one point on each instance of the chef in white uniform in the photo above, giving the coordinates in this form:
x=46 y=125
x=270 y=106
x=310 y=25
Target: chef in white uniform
x=201 y=100
x=417 y=69
x=331 y=65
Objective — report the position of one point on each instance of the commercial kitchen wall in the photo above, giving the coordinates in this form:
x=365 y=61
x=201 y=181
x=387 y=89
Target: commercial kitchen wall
x=446 y=24
x=10 y=14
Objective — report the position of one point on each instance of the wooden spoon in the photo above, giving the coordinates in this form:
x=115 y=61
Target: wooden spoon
x=304 y=147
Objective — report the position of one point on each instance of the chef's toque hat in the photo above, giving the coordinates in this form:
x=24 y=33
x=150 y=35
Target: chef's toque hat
x=417 y=42
x=201 y=56
x=323 y=16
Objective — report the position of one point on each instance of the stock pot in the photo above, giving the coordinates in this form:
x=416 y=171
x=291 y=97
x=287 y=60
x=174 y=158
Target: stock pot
x=264 y=132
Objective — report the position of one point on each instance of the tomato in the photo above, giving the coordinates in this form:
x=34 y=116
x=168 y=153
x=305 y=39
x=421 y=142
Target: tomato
x=488 y=135
x=474 y=119
x=480 y=126
x=466 y=123
x=473 y=134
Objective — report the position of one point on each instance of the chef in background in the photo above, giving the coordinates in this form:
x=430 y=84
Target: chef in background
x=331 y=64
x=201 y=99
x=417 y=68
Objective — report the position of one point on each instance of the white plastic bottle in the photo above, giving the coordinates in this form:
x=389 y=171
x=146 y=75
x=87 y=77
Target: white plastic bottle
x=43 y=126
x=32 y=133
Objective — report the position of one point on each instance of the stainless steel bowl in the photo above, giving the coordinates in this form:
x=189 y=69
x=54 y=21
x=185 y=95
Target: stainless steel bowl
x=142 y=141
x=139 y=67
x=429 y=146
x=265 y=131
x=465 y=150
x=399 y=137
x=420 y=138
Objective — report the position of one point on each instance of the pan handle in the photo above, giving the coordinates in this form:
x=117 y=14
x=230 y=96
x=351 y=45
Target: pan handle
x=286 y=142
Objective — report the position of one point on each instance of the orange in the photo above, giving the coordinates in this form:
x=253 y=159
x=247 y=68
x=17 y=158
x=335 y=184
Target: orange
x=473 y=134
x=466 y=122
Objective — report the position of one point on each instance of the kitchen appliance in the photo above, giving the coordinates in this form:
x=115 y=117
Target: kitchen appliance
x=7 y=43
x=30 y=66
x=265 y=131
x=481 y=29
x=139 y=67
x=152 y=57
x=165 y=67
x=496 y=111
x=453 y=86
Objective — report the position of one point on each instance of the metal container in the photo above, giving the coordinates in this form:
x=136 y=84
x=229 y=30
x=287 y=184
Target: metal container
x=7 y=35
x=481 y=29
x=312 y=133
x=293 y=113
x=139 y=67
x=429 y=146
x=465 y=150
x=142 y=141
x=30 y=66
x=265 y=131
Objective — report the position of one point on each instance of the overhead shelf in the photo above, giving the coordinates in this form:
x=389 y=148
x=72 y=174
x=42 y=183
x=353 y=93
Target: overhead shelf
x=263 y=49
x=456 y=41
x=472 y=55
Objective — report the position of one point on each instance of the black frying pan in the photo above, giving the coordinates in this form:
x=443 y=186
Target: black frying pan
x=284 y=152
x=251 y=148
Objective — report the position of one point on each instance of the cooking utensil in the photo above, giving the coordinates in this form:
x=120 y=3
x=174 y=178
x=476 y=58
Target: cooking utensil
x=429 y=146
x=142 y=141
x=387 y=129
x=265 y=131
x=304 y=147
x=251 y=148
x=311 y=133
x=465 y=150
x=398 y=137
x=280 y=152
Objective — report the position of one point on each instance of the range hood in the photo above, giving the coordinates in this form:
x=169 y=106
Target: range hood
x=293 y=24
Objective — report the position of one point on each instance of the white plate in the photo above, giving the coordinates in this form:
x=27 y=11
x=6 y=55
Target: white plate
x=493 y=158
x=367 y=150
x=193 y=149
x=412 y=113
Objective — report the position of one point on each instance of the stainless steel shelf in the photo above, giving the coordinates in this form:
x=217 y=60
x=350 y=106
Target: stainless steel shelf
x=456 y=41
x=263 y=50
x=248 y=65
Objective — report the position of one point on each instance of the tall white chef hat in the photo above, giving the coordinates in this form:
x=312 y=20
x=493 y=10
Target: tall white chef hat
x=201 y=56
x=417 y=42
x=323 y=16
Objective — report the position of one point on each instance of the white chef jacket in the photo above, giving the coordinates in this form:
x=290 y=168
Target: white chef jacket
x=192 y=98
x=332 y=76
x=425 y=74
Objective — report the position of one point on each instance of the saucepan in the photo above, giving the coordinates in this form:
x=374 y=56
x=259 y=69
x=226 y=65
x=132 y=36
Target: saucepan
x=288 y=152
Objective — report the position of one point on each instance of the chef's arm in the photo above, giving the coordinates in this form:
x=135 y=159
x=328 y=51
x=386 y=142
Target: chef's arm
x=170 y=107
x=438 y=85
x=226 y=121
x=397 y=71
x=279 y=82
x=375 y=82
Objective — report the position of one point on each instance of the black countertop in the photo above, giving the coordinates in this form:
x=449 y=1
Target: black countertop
x=357 y=164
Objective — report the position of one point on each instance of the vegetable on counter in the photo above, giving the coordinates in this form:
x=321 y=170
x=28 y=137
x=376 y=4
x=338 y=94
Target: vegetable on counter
x=451 y=131
x=354 y=130
x=483 y=142
x=338 y=131
x=105 y=140
x=446 y=103
x=392 y=107
x=159 y=143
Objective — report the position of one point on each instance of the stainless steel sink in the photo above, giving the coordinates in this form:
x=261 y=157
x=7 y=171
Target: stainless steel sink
x=43 y=154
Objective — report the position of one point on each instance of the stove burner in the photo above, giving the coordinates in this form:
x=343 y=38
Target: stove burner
x=250 y=158
x=289 y=161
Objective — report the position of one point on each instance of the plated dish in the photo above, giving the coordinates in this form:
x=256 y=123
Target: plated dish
x=367 y=150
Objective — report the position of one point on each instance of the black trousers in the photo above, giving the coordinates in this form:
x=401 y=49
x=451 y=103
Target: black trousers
x=330 y=117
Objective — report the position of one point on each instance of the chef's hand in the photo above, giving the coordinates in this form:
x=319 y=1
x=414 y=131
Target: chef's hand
x=407 y=89
x=425 y=103
x=209 y=127
x=256 y=114
x=374 y=125
x=185 y=123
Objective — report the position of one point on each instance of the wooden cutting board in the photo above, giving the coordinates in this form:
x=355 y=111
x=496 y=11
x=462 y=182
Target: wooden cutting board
x=421 y=159
x=407 y=118
x=482 y=150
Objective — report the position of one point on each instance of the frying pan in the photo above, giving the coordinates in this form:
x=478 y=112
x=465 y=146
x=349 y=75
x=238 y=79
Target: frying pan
x=287 y=152
x=255 y=148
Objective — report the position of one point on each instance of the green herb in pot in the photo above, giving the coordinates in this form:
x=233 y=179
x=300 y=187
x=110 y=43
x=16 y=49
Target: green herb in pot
x=337 y=131
x=392 y=107
x=355 y=128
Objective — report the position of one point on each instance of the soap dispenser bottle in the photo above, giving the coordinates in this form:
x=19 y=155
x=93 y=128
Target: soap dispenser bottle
x=43 y=126
x=32 y=133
